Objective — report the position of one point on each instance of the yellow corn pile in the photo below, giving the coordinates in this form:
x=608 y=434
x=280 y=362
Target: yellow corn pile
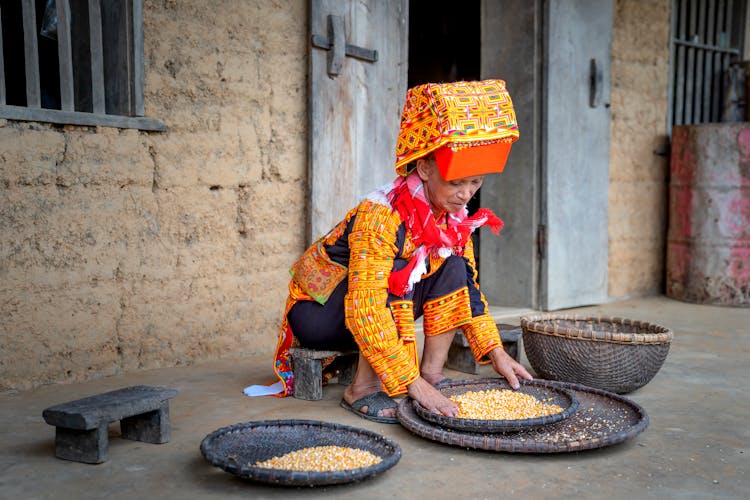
x=322 y=459
x=494 y=404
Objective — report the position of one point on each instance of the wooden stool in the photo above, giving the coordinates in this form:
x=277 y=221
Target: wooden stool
x=82 y=426
x=307 y=366
x=462 y=359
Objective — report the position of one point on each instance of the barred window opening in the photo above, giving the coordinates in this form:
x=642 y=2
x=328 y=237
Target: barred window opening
x=708 y=77
x=73 y=62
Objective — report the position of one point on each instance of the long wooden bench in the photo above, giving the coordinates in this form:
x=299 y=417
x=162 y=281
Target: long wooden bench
x=82 y=426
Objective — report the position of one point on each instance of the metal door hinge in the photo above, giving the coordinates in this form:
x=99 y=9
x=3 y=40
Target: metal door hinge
x=541 y=241
x=335 y=44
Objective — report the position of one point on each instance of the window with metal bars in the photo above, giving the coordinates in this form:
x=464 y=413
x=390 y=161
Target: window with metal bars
x=707 y=48
x=74 y=62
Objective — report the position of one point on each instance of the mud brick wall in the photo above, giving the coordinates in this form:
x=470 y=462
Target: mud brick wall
x=638 y=177
x=124 y=250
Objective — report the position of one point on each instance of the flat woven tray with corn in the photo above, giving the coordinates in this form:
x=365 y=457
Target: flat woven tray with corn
x=603 y=419
x=520 y=414
x=242 y=449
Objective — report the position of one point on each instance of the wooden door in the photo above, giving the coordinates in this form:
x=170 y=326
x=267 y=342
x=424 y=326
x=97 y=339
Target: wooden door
x=553 y=194
x=575 y=155
x=511 y=51
x=355 y=103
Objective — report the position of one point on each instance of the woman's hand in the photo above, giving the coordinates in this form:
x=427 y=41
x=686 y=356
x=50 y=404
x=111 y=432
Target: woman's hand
x=508 y=367
x=432 y=399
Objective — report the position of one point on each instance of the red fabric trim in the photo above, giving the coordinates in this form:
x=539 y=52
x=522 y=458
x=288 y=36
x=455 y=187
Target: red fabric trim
x=408 y=198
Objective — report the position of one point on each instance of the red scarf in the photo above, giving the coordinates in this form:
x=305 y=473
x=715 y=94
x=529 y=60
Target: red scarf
x=407 y=196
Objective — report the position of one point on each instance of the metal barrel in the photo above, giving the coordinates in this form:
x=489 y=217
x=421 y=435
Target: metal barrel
x=708 y=241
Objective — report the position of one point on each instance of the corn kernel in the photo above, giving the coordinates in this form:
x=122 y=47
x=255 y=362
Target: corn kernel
x=322 y=459
x=494 y=404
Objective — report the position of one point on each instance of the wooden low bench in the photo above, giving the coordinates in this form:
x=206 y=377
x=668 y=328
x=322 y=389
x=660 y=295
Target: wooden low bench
x=307 y=367
x=462 y=359
x=82 y=426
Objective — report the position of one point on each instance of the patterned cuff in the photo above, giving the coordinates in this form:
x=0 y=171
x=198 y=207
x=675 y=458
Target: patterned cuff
x=482 y=335
x=447 y=313
x=395 y=367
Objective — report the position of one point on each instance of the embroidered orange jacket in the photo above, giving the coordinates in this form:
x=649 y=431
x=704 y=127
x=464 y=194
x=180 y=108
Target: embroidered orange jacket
x=385 y=333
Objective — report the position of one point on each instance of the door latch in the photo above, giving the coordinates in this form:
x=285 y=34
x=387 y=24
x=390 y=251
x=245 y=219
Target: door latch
x=595 y=84
x=335 y=44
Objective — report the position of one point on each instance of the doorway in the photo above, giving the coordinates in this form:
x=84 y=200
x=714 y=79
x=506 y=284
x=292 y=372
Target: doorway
x=553 y=193
x=444 y=42
x=444 y=46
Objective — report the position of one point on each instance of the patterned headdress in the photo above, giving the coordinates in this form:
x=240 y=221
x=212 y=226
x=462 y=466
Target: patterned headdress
x=469 y=125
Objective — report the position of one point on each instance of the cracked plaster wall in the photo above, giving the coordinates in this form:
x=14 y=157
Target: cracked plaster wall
x=123 y=250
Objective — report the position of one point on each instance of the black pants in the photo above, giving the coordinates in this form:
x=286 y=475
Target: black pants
x=322 y=327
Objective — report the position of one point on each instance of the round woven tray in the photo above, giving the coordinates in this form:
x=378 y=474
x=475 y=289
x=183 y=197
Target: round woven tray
x=602 y=419
x=237 y=448
x=613 y=354
x=540 y=389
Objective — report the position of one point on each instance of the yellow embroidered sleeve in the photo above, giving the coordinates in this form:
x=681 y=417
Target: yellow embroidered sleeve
x=372 y=245
x=482 y=333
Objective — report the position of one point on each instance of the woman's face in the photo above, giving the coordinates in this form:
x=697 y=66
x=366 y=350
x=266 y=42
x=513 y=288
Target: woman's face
x=446 y=196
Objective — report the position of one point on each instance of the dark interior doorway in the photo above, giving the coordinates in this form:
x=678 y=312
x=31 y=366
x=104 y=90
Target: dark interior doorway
x=444 y=41
x=444 y=46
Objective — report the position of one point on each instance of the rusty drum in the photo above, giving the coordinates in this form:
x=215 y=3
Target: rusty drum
x=708 y=242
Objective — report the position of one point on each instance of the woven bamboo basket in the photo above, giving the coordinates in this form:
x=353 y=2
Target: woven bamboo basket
x=603 y=419
x=542 y=390
x=614 y=354
x=237 y=448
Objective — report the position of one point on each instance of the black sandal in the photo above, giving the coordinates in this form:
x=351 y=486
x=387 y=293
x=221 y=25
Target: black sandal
x=446 y=380
x=375 y=403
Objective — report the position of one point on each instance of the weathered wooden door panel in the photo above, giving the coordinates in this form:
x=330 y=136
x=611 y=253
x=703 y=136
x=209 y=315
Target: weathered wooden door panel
x=575 y=161
x=354 y=114
x=511 y=48
x=553 y=194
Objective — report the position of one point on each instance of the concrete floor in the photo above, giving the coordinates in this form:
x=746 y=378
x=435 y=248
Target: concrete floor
x=696 y=445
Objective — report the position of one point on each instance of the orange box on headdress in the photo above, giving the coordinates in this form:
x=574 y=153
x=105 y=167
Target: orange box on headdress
x=468 y=125
x=469 y=161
